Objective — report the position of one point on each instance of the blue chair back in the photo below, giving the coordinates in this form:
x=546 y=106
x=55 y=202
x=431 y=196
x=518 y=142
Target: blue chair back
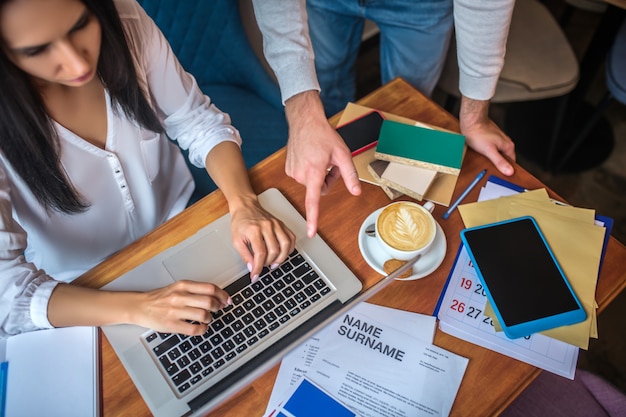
x=210 y=42
x=616 y=66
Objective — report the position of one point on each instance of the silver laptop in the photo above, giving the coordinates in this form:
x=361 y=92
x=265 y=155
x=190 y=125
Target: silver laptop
x=179 y=375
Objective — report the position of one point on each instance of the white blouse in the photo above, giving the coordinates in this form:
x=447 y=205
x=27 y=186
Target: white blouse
x=134 y=184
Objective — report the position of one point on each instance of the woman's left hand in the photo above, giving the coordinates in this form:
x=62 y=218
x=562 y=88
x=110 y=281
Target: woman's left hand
x=260 y=238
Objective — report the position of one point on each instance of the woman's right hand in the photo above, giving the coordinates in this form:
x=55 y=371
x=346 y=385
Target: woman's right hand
x=183 y=307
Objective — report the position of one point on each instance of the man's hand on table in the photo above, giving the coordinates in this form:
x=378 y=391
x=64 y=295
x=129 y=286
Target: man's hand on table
x=484 y=136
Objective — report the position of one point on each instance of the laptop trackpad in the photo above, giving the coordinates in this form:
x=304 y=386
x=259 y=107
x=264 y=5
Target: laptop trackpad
x=208 y=259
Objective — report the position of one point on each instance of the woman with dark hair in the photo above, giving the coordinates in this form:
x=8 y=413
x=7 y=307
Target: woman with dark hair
x=91 y=92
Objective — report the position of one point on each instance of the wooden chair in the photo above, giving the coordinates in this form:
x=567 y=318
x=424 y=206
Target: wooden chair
x=539 y=64
x=539 y=61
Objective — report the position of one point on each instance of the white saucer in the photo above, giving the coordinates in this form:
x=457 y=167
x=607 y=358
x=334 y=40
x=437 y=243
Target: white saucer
x=375 y=256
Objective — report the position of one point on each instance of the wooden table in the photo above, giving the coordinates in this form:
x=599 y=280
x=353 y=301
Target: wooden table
x=491 y=381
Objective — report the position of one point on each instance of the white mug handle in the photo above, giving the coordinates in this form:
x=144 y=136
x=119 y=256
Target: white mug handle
x=429 y=205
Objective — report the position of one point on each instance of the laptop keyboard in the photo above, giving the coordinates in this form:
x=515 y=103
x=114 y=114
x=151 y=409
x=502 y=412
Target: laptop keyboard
x=258 y=309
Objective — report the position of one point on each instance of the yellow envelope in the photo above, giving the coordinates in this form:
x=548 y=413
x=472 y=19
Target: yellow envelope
x=485 y=212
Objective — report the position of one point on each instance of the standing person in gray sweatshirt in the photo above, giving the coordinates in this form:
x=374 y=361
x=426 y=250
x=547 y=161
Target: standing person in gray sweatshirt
x=414 y=39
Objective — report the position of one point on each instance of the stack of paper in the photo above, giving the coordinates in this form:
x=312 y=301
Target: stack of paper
x=574 y=237
x=368 y=363
x=429 y=179
x=577 y=237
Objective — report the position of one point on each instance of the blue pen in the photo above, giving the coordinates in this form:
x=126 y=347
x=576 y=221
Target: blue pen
x=465 y=193
x=4 y=371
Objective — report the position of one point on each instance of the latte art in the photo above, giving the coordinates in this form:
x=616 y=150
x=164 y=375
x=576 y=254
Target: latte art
x=406 y=226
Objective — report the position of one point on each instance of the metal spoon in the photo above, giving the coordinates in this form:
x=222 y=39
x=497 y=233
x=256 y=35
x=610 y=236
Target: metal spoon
x=371 y=230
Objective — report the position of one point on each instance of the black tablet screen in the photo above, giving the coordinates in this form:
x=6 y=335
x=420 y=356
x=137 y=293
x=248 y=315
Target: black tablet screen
x=519 y=272
x=361 y=132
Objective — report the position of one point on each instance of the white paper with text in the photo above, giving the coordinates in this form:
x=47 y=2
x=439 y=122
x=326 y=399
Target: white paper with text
x=376 y=369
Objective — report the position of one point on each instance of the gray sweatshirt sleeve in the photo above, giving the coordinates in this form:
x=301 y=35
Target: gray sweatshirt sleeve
x=286 y=44
x=482 y=28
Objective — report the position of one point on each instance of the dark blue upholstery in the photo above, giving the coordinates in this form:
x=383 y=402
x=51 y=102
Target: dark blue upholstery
x=616 y=66
x=209 y=40
x=615 y=71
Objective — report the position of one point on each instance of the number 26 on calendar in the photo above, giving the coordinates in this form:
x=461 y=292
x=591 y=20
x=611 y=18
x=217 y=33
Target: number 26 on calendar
x=457 y=306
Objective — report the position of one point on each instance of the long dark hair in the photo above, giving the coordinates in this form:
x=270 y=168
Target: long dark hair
x=27 y=135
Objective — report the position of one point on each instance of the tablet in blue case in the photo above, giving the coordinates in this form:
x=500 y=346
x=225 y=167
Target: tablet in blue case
x=523 y=280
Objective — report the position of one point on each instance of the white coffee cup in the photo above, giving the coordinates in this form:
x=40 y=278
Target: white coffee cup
x=405 y=229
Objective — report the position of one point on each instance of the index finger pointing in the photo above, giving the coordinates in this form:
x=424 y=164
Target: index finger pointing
x=311 y=204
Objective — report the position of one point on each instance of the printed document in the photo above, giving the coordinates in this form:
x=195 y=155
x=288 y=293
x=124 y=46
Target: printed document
x=363 y=360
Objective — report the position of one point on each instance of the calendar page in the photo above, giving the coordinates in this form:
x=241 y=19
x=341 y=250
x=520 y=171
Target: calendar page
x=461 y=314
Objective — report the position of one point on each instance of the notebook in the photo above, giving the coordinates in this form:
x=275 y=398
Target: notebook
x=178 y=375
x=52 y=372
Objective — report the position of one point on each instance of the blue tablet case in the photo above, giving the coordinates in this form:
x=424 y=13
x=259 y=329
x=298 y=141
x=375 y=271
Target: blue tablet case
x=523 y=280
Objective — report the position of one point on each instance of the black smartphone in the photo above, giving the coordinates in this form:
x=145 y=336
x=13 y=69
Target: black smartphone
x=362 y=133
x=523 y=280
